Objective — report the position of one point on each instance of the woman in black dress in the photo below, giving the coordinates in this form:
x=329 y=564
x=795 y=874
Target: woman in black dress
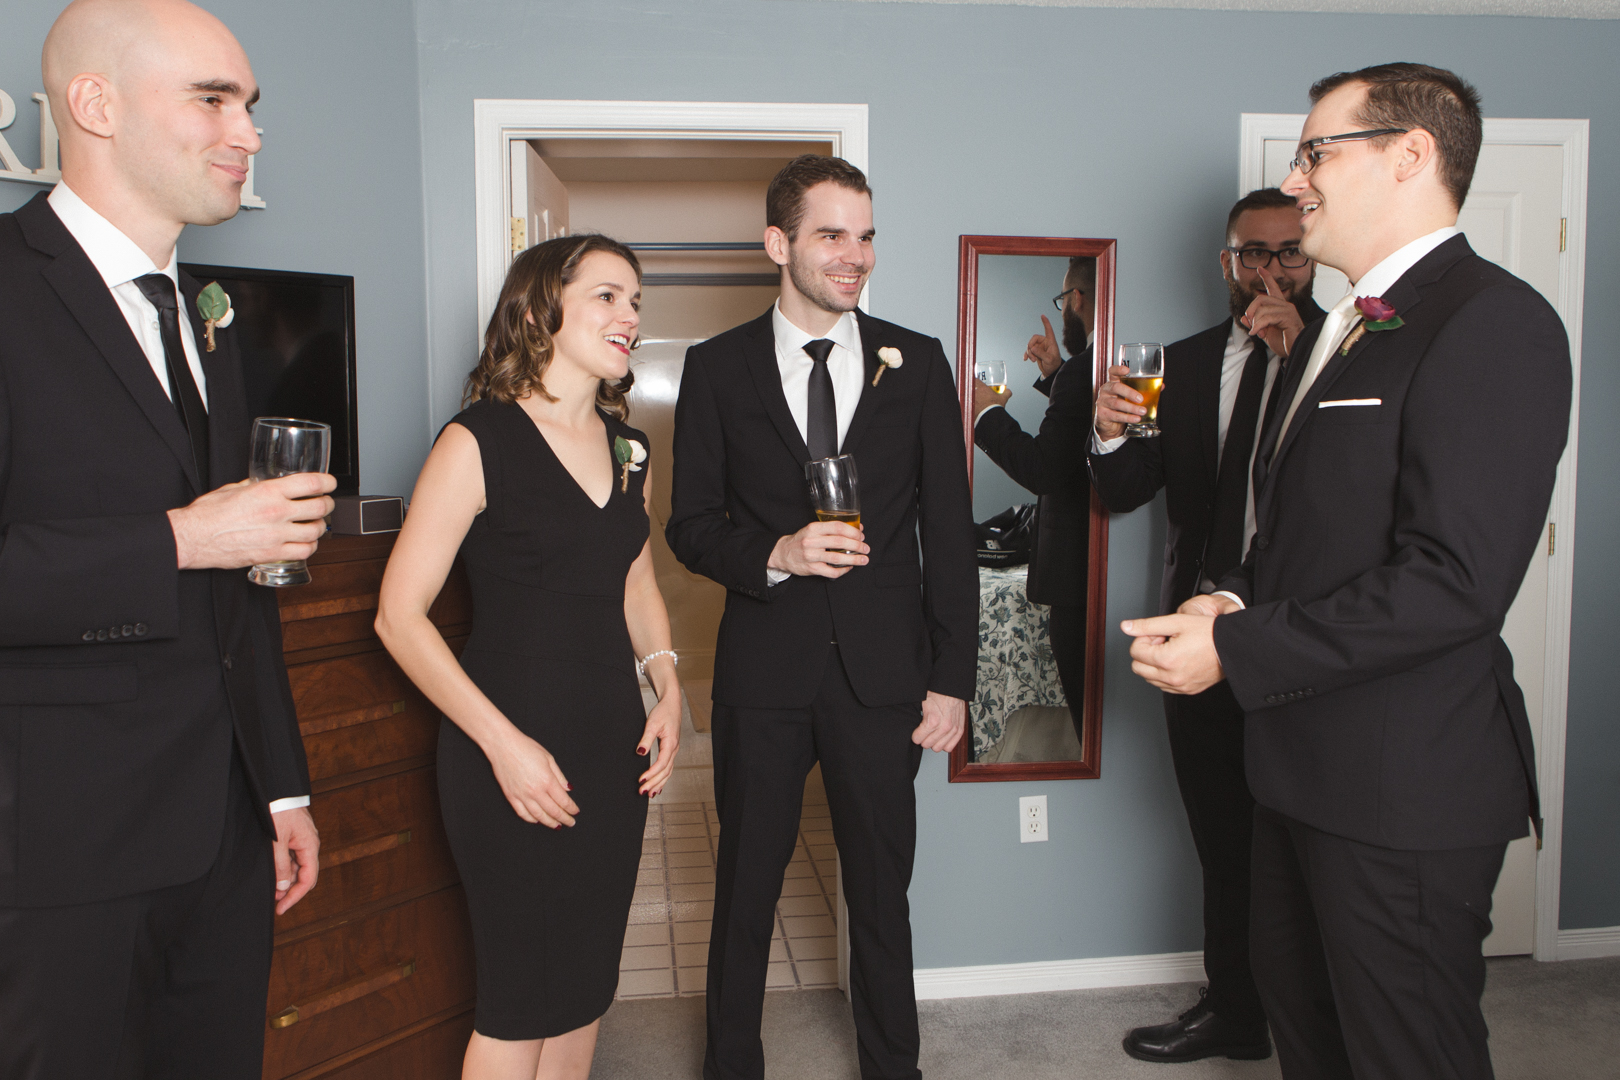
x=543 y=776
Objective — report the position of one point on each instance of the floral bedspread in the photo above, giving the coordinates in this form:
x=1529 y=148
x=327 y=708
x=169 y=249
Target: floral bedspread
x=1016 y=665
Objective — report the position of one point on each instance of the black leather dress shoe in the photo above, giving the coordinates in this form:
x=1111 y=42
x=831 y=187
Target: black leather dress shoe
x=1199 y=1033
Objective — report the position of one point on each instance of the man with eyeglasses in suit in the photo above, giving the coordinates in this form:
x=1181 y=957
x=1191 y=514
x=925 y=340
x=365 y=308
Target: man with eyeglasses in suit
x=1216 y=389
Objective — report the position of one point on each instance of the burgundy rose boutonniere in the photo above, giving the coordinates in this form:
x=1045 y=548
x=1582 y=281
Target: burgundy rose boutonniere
x=1376 y=315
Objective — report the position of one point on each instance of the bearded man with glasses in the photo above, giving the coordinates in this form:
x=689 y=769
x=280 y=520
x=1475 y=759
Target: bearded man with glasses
x=1217 y=383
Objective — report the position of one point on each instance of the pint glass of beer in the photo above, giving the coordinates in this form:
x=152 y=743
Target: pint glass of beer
x=835 y=489
x=1145 y=362
x=282 y=446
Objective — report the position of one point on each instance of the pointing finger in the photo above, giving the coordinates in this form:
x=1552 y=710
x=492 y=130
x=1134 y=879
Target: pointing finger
x=1048 y=324
x=1270 y=282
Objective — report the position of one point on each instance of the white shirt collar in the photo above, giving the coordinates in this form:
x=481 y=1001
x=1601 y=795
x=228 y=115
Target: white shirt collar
x=1381 y=278
x=844 y=332
x=116 y=257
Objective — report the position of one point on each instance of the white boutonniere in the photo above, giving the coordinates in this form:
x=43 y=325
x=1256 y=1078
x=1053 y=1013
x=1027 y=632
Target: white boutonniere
x=630 y=454
x=888 y=357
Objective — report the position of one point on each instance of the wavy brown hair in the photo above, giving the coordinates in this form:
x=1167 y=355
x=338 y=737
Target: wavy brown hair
x=517 y=351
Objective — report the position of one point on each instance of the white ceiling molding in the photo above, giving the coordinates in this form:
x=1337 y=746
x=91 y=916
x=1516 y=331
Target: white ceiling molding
x=1546 y=9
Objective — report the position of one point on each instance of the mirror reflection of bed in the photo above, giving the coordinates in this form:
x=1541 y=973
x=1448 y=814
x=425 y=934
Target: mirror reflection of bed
x=1022 y=724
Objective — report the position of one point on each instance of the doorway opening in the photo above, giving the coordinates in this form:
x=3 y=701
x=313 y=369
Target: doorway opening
x=683 y=184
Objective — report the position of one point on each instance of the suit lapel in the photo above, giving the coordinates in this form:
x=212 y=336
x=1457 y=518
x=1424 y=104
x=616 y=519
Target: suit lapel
x=1405 y=295
x=222 y=370
x=761 y=363
x=871 y=342
x=1208 y=394
x=85 y=295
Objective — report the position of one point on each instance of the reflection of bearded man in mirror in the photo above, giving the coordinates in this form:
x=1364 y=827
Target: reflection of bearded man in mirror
x=1079 y=309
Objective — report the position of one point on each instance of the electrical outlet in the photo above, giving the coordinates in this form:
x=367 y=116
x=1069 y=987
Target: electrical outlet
x=1031 y=819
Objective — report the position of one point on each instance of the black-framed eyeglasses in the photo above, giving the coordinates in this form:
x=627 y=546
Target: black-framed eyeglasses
x=1253 y=258
x=1057 y=301
x=1307 y=158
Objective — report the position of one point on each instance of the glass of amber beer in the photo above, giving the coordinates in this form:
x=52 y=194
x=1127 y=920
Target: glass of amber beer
x=1145 y=374
x=835 y=489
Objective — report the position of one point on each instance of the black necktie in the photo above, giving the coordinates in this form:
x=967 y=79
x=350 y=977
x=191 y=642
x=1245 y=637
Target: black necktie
x=159 y=289
x=821 y=421
x=1225 y=547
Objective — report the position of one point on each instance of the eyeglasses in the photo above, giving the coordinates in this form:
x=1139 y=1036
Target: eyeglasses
x=1253 y=258
x=1057 y=301
x=1307 y=158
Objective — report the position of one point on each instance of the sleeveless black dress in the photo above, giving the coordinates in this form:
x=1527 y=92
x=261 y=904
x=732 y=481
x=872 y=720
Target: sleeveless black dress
x=550 y=648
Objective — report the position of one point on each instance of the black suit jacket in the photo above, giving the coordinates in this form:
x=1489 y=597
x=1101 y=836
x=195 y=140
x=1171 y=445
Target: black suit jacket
x=1184 y=460
x=1052 y=465
x=123 y=680
x=904 y=625
x=1392 y=539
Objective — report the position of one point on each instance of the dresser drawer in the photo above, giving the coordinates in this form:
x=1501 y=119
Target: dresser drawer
x=358 y=712
x=428 y=1050
x=378 y=839
x=363 y=980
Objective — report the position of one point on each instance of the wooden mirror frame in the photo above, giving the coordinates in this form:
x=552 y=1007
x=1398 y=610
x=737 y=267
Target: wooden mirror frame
x=1089 y=765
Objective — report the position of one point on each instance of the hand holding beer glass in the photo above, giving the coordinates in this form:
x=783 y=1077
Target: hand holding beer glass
x=282 y=446
x=1144 y=364
x=835 y=490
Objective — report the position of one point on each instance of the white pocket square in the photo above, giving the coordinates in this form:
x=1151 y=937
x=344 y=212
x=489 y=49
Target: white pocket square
x=1349 y=401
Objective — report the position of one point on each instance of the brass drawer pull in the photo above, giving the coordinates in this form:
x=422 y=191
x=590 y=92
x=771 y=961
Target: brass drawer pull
x=332 y=721
x=342 y=995
x=364 y=849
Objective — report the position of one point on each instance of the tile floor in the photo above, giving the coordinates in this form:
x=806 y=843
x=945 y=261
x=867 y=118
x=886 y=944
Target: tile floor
x=666 y=946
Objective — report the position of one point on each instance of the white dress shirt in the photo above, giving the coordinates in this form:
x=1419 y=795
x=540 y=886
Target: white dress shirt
x=845 y=363
x=1375 y=282
x=119 y=261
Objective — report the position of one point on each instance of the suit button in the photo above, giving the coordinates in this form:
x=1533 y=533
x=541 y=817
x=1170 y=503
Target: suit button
x=226 y=660
x=89 y=635
x=140 y=629
x=1271 y=699
x=1261 y=542
x=101 y=635
x=128 y=631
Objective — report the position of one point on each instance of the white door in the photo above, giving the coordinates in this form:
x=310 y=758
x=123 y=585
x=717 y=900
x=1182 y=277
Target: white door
x=1513 y=217
x=537 y=202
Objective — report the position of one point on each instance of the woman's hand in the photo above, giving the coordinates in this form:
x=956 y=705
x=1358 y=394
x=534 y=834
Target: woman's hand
x=663 y=724
x=532 y=782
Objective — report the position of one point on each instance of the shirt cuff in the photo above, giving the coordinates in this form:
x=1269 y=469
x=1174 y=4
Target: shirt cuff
x=291 y=803
x=1238 y=600
x=776 y=577
x=1099 y=445
x=980 y=414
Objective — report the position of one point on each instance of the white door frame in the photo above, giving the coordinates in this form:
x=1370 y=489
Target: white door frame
x=497 y=122
x=1572 y=136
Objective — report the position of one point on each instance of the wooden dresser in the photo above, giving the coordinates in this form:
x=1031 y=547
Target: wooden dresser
x=373 y=971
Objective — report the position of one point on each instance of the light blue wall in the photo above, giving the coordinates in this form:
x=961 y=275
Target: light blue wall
x=994 y=119
x=341 y=172
x=1041 y=121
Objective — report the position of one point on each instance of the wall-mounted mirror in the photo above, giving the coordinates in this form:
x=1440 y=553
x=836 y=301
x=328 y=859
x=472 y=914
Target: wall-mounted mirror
x=1037 y=713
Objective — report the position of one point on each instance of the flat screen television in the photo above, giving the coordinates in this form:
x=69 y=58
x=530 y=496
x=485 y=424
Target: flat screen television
x=295 y=333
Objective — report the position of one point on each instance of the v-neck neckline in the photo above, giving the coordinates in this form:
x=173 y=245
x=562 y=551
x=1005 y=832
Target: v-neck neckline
x=608 y=431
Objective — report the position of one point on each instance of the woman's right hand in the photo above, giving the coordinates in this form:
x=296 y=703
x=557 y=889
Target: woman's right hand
x=532 y=782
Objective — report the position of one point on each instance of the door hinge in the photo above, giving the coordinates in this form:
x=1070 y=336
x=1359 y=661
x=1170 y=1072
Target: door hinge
x=1552 y=530
x=520 y=235
x=1563 y=233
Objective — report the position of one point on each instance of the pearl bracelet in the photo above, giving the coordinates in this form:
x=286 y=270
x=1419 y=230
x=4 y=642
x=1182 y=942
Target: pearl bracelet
x=641 y=665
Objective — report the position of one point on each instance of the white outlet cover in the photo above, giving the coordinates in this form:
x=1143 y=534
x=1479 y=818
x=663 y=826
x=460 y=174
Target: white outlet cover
x=1032 y=819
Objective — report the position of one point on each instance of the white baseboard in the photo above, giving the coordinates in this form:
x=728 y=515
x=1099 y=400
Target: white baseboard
x=988 y=980
x=1589 y=944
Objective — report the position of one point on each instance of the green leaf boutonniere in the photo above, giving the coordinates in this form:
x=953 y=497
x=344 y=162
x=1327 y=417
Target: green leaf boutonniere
x=214 y=305
x=1376 y=315
x=630 y=454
